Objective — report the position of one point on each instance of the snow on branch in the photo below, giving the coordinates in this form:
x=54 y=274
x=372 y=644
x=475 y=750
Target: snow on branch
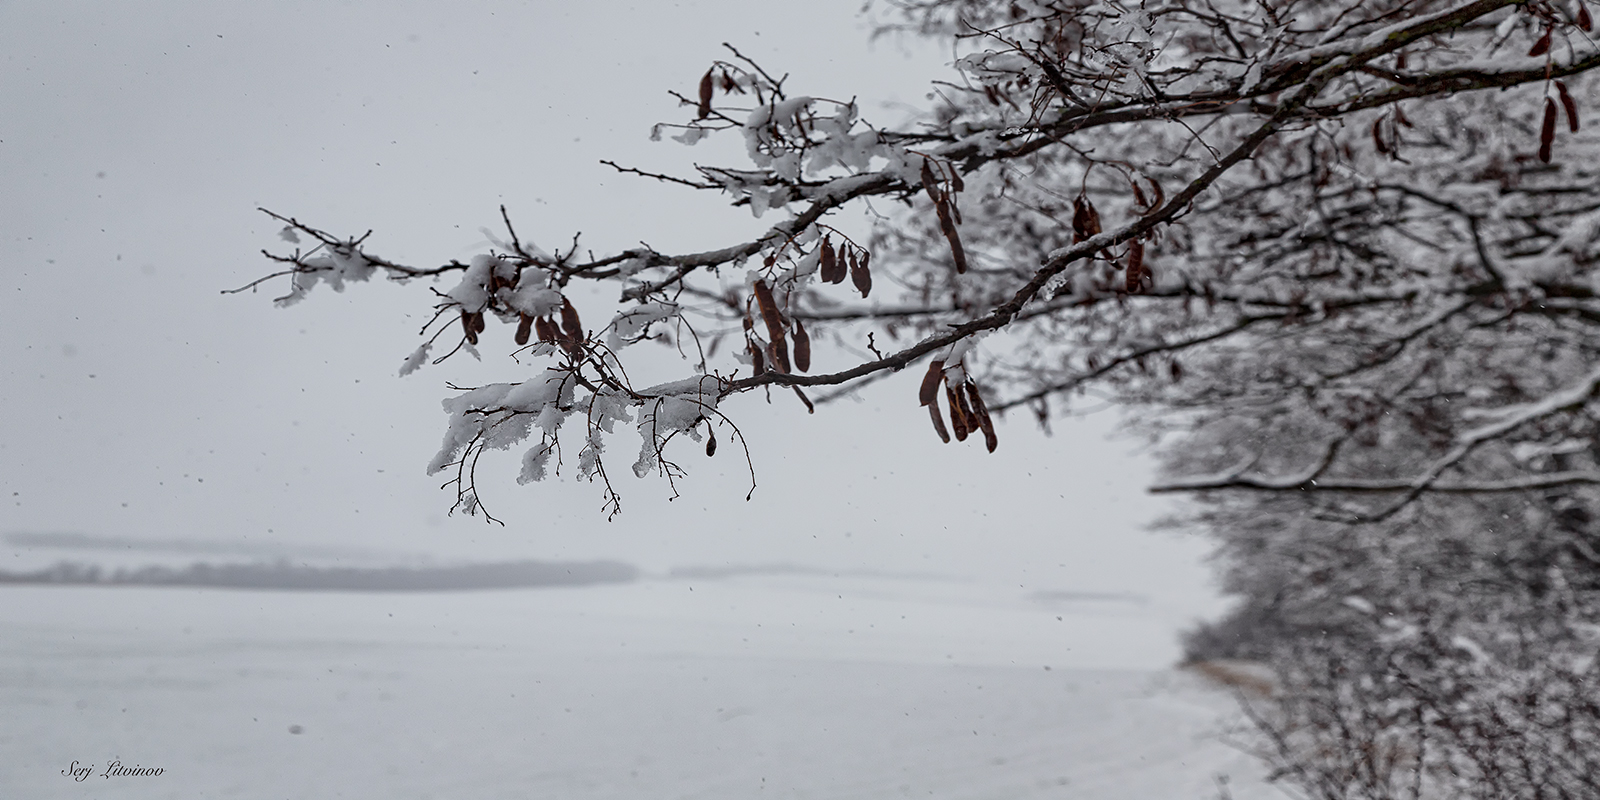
x=1191 y=206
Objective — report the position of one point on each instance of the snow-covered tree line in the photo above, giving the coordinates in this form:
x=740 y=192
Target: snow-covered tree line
x=1337 y=256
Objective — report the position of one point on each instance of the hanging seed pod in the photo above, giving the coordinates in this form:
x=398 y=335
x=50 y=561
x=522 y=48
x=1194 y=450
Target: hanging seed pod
x=948 y=226
x=1138 y=194
x=1085 y=219
x=711 y=441
x=706 y=87
x=778 y=349
x=859 y=274
x=955 y=179
x=938 y=422
x=1543 y=45
x=929 y=393
x=569 y=321
x=468 y=326
x=524 y=327
x=1377 y=137
x=981 y=413
x=958 y=418
x=1569 y=105
x=1584 y=20
x=477 y=321
x=544 y=329
x=1176 y=370
x=758 y=364
x=1547 y=135
x=810 y=409
x=802 y=348
x=929 y=183
x=825 y=261
x=1135 y=276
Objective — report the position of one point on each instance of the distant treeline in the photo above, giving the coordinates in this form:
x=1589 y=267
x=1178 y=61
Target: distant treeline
x=287 y=576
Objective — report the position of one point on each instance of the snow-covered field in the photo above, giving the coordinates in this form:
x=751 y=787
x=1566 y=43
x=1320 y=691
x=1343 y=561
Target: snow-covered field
x=756 y=685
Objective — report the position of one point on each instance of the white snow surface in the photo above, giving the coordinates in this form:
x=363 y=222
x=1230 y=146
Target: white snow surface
x=761 y=685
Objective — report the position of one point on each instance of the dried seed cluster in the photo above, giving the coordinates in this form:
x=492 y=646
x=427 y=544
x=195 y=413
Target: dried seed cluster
x=968 y=414
x=568 y=334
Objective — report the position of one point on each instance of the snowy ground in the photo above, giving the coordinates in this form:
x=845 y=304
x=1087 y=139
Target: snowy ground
x=757 y=685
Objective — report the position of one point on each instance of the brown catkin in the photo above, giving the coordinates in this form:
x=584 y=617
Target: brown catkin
x=524 y=327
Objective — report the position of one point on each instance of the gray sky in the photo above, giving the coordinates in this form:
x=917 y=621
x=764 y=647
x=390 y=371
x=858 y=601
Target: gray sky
x=139 y=401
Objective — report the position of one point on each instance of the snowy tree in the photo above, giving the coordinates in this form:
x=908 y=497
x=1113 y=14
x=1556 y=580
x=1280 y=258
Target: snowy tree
x=1338 y=259
x=1364 y=228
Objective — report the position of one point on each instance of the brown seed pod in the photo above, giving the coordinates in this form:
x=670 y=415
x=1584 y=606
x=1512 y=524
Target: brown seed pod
x=929 y=393
x=938 y=423
x=948 y=226
x=1569 y=105
x=1377 y=137
x=802 y=348
x=468 y=326
x=1543 y=45
x=1547 y=135
x=1584 y=20
x=810 y=409
x=711 y=441
x=569 y=321
x=706 y=86
x=955 y=180
x=1135 y=276
x=1085 y=219
x=779 y=349
x=758 y=364
x=959 y=422
x=929 y=183
x=1176 y=371
x=981 y=412
x=1138 y=194
x=827 y=263
x=859 y=274
x=524 y=327
x=544 y=329
x=477 y=321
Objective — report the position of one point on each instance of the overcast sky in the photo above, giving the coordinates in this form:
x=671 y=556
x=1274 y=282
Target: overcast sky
x=138 y=140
